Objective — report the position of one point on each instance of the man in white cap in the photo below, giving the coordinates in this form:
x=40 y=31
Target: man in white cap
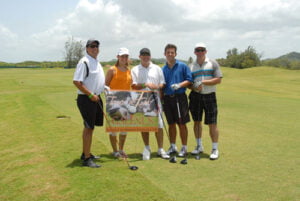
x=206 y=74
x=89 y=79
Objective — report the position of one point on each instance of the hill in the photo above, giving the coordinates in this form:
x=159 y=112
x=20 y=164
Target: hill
x=292 y=56
x=288 y=61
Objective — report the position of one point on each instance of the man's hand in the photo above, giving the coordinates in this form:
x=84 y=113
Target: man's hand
x=197 y=86
x=106 y=89
x=175 y=86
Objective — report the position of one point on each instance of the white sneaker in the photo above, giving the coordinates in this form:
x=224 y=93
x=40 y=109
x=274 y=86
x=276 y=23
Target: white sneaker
x=146 y=154
x=214 y=154
x=182 y=152
x=172 y=150
x=163 y=154
x=116 y=154
x=198 y=149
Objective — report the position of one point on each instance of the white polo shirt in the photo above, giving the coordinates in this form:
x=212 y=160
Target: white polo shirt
x=95 y=80
x=151 y=74
x=208 y=70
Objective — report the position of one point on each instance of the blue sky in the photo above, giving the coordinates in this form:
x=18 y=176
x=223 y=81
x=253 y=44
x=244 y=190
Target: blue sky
x=37 y=29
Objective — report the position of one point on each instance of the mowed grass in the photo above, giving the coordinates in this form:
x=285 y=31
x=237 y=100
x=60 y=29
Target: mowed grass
x=259 y=144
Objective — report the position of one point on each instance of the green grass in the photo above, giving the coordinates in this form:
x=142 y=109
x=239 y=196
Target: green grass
x=259 y=144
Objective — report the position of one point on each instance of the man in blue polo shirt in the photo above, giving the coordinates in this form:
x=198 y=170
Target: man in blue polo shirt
x=177 y=76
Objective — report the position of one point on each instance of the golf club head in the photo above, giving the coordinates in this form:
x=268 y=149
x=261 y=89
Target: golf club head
x=184 y=161
x=133 y=168
x=173 y=159
x=197 y=157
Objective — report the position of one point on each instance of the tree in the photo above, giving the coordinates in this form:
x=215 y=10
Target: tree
x=74 y=51
x=246 y=59
x=190 y=60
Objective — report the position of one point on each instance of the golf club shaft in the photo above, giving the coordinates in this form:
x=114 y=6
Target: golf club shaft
x=160 y=114
x=140 y=98
x=125 y=159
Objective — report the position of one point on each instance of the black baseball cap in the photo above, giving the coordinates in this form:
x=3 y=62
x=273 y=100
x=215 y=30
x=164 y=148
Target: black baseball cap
x=91 y=41
x=145 y=51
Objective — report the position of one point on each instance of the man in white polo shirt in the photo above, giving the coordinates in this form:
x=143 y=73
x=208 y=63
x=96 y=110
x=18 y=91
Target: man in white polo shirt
x=148 y=76
x=89 y=79
x=206 y=74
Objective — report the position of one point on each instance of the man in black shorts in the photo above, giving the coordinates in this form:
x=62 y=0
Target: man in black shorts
x=206 y=74
x=177 y=76
x=89 y=79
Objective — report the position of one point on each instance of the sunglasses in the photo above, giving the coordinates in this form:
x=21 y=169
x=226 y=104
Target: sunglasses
x=94 y=46
x=145 y=54
x=200 y=50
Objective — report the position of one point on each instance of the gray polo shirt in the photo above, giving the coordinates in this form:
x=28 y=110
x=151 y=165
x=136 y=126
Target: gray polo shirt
x=208 y=70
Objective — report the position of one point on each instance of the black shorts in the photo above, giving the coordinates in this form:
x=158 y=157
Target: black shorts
x=206 y=103
x=171 y=105
x=91 y=112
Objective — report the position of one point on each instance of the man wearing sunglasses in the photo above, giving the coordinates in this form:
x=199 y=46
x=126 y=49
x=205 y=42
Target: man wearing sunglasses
x=89 y=79
x=206 y=74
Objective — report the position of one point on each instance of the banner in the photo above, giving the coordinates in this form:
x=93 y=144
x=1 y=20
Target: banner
x=132 y=111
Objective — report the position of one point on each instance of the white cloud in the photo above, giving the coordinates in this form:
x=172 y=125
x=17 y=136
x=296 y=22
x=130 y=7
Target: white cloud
x=222 y=24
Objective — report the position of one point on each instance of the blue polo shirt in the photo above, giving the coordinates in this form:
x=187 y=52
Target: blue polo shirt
x=179 y=73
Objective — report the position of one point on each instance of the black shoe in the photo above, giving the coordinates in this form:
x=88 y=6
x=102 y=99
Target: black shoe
x=90 y=163
x=82 y=157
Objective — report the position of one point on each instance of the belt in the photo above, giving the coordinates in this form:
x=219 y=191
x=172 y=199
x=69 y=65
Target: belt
x=173 y=95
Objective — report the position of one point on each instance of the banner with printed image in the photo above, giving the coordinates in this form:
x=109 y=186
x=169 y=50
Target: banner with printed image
x=132 y=111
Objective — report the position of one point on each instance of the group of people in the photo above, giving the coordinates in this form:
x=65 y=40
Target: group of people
x=171 y=81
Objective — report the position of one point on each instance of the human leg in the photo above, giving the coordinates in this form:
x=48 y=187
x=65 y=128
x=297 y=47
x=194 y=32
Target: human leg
x=214 y=135
x=113 y=141
x=122 y=139
x=159 y=138
x=183 y=131
x=147 y=150
x=198 y=136
x=183 y=135
x=87 y=141
x=173 y=133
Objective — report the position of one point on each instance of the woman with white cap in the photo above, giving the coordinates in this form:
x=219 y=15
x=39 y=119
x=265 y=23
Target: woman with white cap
x=118 y=77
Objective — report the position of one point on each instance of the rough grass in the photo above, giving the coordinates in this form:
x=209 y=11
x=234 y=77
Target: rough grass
x=259 y=144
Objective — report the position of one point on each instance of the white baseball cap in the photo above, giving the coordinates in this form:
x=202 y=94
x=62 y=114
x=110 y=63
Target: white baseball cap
x=200 y=45
x=123 y=51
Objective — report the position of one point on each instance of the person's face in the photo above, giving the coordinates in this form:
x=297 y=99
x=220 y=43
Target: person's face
x=170 y=54
x=123 y=59
x=93 y=50
x=200 y=52
x=145 y=59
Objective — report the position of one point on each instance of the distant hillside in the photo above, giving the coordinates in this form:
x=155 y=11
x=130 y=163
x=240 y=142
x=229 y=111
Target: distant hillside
x=293 y=56
x=289 y=61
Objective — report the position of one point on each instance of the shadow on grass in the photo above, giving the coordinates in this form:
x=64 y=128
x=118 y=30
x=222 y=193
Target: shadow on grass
x=104 y=158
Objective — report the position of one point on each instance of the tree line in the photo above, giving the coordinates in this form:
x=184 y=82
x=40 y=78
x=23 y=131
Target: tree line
x=251 y=58
x=74 y=51
x=234 y=59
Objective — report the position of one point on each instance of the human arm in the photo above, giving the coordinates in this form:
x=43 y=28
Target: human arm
x=109 y=75
x=213 y=81
x=187 y=79
x=83 y=89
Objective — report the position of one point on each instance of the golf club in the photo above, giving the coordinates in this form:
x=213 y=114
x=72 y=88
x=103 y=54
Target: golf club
x=139 y=100
x=160 y=114
x=184 y=161
x=173 y=158
x=125 y=159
